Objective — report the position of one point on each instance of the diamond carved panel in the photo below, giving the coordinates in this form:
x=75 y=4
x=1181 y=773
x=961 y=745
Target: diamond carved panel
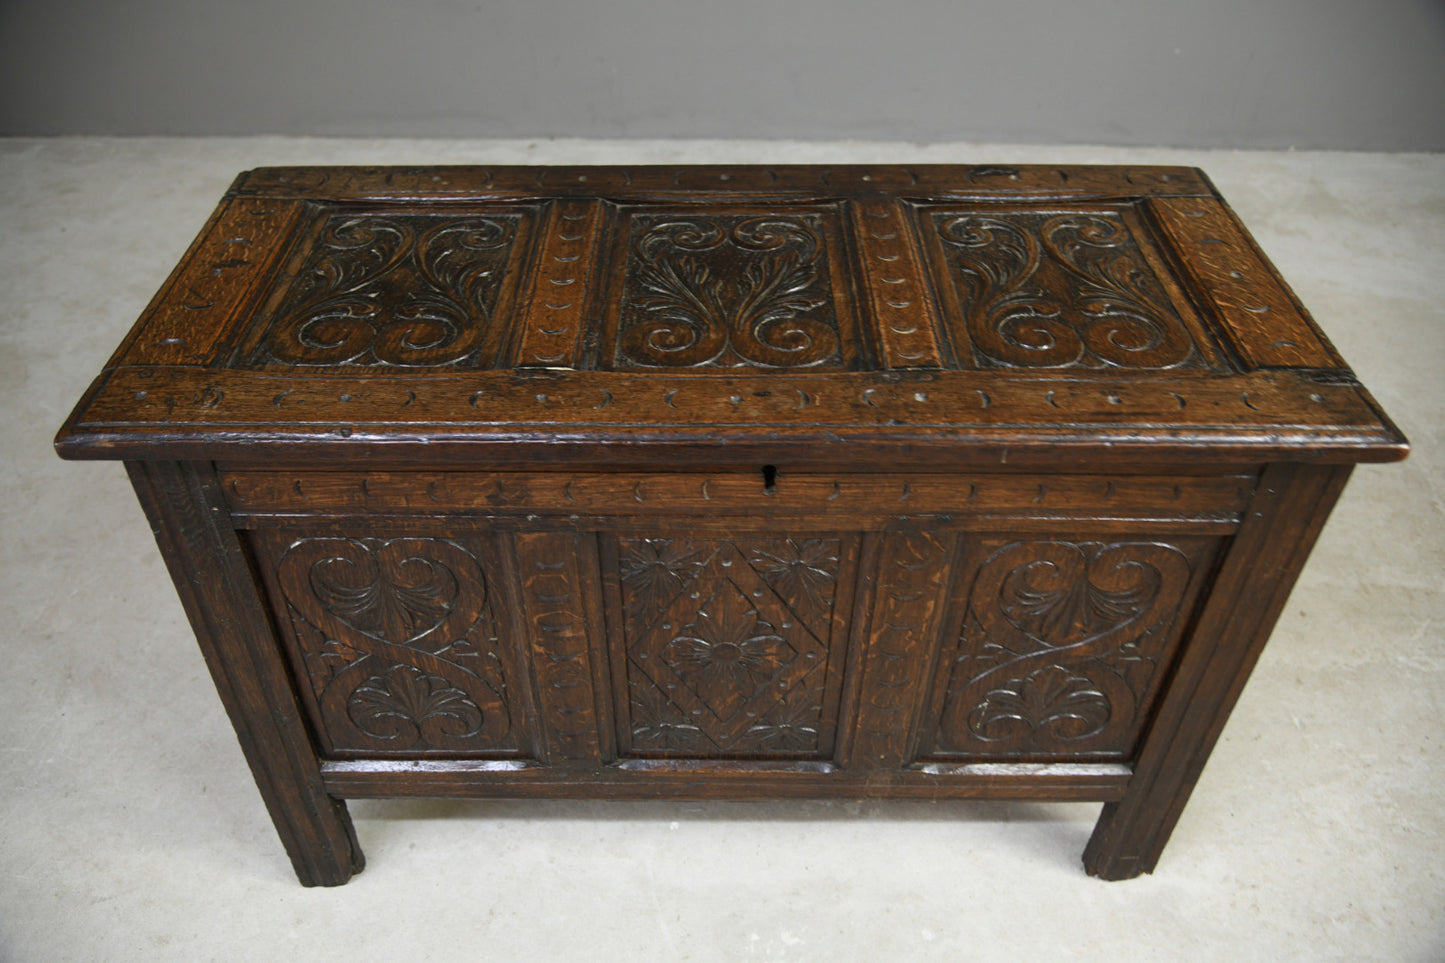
x=727 y=644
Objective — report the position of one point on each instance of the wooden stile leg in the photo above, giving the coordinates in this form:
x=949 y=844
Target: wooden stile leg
x=1254 y=582
x=189 y=518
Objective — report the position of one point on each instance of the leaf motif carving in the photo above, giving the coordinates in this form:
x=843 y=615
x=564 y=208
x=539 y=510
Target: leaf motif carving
x=791 y=726
x=1068 y=706
x=400 y=643
x=1010 y=316
x=728 y=652
x=728 y=291
x=727 y=643
x=658 y=724
x=400 y=603
x=1055 y=600
x=1125 y=323
x=401 y=290
x=1064 y=290
x=655 y=571
x=1059 y=646
x=409 y=706
x=801 y=570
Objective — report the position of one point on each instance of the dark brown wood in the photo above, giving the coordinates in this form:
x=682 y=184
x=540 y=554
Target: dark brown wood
x=209 y=568
x=968 y=317
x=561 y=604
x=1250 y=591
x=897 y=642
x=1076 y=627
x=734 y=779
x=736 y=483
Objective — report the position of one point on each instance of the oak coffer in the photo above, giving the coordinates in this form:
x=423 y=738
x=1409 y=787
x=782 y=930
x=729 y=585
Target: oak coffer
x=729 y=482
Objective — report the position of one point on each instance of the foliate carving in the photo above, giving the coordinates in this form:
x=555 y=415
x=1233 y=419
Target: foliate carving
x=407 y=599
x=655 y=571
x=728 y=652
x=404 y=702
x=1067 y=290
x=398 y=290
x=727 y=291
x=727 y=644
x=804 y=570
x=400 y=644
x=1052 y=699
x=1060 y=645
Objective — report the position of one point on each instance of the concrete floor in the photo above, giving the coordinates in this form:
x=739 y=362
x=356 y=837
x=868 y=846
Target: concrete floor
x=130 y=828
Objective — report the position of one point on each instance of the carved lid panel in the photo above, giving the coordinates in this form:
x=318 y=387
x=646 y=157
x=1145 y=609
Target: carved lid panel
x=963 y=312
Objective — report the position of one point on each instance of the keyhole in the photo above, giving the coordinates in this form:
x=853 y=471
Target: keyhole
x=770 y=479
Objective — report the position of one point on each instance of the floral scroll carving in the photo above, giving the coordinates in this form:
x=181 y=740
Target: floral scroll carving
x=1051 y=699
x=1060 y=645
x=728 y=291
x=1067 y=290
x=400 y=644
x=405 y=704
x=728 y=644
x=397 y=290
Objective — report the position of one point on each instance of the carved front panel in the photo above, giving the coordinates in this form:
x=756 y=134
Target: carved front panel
x=398 y=640
x=1064 y=644
x=392 y=290
x=1058 y=290
x=707 y=289
x=730 y=645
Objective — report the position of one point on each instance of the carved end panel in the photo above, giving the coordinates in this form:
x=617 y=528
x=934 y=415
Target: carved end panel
x=1064 y=646
x=1043 y=289
x=393 y=289
x=705 y=290
x=732 y=647
x=396 y=644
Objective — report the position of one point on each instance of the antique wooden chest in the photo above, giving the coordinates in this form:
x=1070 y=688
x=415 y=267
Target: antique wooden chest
x=729 y=482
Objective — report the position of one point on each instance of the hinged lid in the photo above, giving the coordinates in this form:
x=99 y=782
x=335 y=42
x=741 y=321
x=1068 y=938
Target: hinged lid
x=691 y=316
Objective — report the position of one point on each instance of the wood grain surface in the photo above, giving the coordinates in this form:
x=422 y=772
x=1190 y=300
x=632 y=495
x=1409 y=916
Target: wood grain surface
x=730 y=482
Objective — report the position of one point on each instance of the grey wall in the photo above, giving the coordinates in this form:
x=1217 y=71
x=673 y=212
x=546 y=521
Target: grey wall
x=1361 y=74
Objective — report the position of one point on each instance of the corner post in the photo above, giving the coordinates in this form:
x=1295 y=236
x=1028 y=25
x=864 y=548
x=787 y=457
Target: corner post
x=192 y=525
x=1258 y=571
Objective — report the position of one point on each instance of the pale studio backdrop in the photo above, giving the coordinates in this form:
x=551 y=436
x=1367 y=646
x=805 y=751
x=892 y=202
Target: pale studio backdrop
x=1342 y=74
